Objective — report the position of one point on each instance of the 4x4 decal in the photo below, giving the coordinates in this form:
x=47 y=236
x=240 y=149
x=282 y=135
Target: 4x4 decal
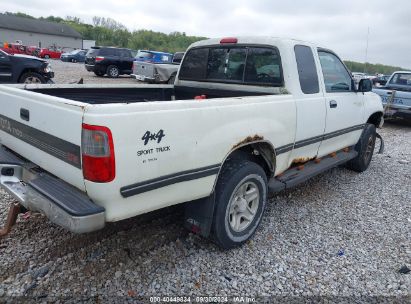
x=153 y=136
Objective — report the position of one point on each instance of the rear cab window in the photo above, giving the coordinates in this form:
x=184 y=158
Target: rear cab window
x=125 y=53
x=239 y=64
x=144 y=55
x=403 y=79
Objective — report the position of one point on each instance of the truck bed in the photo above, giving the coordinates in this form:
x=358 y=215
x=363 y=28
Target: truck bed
x=97 y=94
x=111 y=94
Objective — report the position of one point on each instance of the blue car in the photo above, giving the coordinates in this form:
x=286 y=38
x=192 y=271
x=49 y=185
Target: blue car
x=74 y=56
x=154 y=57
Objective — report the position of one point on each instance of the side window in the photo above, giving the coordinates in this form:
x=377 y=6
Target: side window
x=307 y=71
x=263 y=67
x=125 y=53
x=107 y=52
x=336 y=76
x=194 y=66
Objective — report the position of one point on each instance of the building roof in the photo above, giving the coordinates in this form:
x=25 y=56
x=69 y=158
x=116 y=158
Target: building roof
x=37 y=26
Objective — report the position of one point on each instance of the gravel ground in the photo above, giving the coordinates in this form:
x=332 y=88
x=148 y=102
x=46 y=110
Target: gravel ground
x=341 y=234
x=67 y=72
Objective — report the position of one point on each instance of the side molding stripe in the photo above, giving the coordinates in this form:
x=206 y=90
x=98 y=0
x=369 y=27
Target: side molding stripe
x=313 y=140
x=188 y=175
x=168 y=180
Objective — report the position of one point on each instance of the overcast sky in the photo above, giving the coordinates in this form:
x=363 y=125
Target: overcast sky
x=341 y=26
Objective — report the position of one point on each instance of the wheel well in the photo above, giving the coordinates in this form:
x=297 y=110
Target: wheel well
x=375 y=119
x=261 y=153
x=27 y=70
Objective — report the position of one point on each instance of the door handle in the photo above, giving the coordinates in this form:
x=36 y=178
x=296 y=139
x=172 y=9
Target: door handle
x=24 y=114
x=333 y=104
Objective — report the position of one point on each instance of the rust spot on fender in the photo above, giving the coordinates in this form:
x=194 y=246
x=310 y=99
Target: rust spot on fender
x=247 y=140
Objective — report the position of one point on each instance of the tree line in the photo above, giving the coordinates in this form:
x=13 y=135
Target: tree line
x=372 y=69
x=109 y=32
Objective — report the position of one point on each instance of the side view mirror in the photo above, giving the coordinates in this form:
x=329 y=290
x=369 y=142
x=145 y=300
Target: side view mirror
x=365 y=85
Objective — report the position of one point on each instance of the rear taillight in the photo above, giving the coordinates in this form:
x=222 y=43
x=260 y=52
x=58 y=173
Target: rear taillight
x=99 y=58
x=97 y=147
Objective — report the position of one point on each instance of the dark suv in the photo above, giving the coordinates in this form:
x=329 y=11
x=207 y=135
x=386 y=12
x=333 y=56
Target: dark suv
x=109 y=60
x=24 y=69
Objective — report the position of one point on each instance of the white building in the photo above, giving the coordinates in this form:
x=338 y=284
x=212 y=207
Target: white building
x=32 y=32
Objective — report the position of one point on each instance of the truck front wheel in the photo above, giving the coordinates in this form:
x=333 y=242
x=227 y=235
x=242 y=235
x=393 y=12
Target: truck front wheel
x=31 y=77
x=241 y=197
x=365 y=149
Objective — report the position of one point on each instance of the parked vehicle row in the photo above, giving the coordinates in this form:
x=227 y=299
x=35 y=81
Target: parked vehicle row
x=16 y=48
x=113 y=62
x=65 y=54
x=380 y=80
x=377 y=80
x=265 y=114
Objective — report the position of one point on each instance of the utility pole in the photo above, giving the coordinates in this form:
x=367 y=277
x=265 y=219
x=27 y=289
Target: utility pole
x=366 y=50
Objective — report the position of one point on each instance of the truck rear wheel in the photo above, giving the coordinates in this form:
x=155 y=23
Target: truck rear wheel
x=241 y=197
x=365 y=149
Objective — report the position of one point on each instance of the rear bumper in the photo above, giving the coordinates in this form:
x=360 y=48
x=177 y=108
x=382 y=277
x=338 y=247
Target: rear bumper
x=143 y=78
x=89 y=67
x=95 y=68
x=394 y=111
x=63 y=204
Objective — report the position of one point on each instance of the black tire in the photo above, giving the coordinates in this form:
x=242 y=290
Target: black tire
x=236 y=175
x=172 y=79
x=46 y=56
x=365 y=148
x=32 y=77
x=113 y=71
x=99 y=74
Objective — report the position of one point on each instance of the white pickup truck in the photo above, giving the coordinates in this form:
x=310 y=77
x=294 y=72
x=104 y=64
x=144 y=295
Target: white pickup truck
x=246 y=117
